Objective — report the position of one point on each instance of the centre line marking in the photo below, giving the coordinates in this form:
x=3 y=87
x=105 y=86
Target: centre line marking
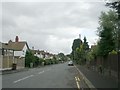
x=23 y=79
x=41 y=72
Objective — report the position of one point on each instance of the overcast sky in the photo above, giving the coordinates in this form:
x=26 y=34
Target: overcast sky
x=51 y=26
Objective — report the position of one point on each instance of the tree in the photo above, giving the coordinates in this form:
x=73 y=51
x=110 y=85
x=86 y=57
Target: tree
x=29 y=58
x=77 y=55
x=106 y=32
x=61 y=56
x=36 y=60
x=85 y=44
x=76 y=44
x=85 y=49
x=115 y=4
x=79 y=50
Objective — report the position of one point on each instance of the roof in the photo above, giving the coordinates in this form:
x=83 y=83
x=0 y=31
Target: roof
x=17 y=46
x=37 y=51
x=33 y=51
x=6 y=46
x=42 y=52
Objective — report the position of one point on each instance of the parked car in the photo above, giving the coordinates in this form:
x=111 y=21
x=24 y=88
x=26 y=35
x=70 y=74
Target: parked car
x=70 y=63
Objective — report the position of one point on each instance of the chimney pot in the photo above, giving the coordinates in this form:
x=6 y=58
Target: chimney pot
x=17 y=39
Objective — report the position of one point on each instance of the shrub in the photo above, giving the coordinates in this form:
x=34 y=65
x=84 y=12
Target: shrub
x=113 y=52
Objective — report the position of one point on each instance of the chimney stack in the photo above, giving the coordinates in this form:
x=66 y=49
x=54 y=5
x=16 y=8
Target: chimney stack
x=17 y=39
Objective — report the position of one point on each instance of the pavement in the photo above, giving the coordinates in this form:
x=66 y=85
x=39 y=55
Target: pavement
x=10 y=71
x=97 y=80
x=52 y=76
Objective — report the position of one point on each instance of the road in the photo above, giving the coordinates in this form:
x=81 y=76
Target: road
x=52 y=76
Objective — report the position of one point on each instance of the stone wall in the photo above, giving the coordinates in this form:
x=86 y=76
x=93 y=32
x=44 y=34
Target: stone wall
x=7 y=62
x=20 y=62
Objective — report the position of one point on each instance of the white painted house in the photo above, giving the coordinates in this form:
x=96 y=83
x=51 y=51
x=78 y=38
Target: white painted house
x=42 y=54
x=20 y=48
x=38 y=53
x=13 y=52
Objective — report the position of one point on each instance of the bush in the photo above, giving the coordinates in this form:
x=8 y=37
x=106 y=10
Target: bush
x=47 y=61
x=41 y=60
x=36 y=61
x=29 y=58
x=113 y=52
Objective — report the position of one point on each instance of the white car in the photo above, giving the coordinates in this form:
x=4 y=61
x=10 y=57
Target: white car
x=70 y=63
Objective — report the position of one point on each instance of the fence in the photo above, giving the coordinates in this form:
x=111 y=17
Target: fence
x=109 y=63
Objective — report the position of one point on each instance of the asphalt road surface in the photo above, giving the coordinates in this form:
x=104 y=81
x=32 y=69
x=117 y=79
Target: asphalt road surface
x=52 y=76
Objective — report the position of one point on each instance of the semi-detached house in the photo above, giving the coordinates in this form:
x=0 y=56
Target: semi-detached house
x=18 y=48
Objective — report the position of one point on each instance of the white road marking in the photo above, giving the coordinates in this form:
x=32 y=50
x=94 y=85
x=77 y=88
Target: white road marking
x=41 y=72
x=77 y=82
x=78 y=79
x=90 y=85
x=23 y=79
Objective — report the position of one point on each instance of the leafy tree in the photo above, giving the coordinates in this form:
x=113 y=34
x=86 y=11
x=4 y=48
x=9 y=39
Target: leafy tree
x=90 y=56
x=76 y=44
x=115 y=4
x=85 y=44
x=36 y=61
x=81 y=54
x=41 y=60
x=106 y=33
x=55 y=60
x=77 y=55
x=79 y=50
x=85 y=49
x=47 y=61
x=29 y=58
x=61 y=56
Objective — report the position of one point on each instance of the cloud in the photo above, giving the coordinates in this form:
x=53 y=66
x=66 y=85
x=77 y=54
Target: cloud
x=51 y=26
